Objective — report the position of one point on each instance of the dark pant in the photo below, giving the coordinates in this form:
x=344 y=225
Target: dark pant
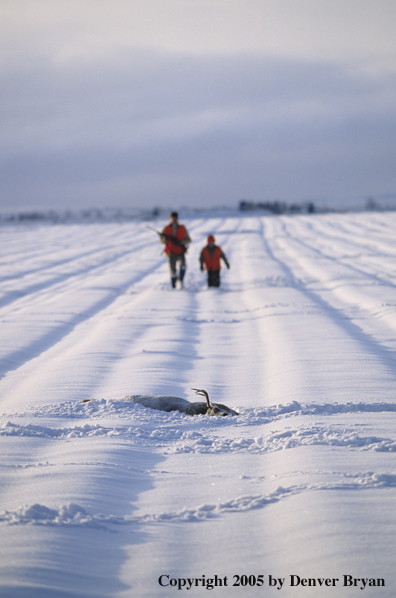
x=174 y=259
x=213 y=278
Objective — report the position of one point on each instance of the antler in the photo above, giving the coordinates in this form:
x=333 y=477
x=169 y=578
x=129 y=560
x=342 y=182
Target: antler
x=203 y=393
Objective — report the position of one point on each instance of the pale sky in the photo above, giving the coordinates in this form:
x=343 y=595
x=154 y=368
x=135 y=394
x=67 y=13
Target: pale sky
x=196 y=102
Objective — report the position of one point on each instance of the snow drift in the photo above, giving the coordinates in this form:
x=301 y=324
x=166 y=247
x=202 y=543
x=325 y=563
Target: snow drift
x=105 y=497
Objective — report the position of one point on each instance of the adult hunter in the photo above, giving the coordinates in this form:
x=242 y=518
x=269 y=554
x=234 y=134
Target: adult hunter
x=176 y=239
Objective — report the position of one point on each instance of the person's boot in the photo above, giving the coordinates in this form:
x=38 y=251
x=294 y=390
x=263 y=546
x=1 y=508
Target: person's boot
x=173 y=281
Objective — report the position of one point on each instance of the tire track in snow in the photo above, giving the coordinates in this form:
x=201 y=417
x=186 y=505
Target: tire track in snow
x=63 y=281
x=383 y=354
x=354 y=226
x=75 y=515
x=310 y=263
x=44 y=342
x=366 y=261
x=223 y=324
x=243 y=504
x=368 y=297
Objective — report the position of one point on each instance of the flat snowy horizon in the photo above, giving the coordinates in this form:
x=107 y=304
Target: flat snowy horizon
x=293 y=497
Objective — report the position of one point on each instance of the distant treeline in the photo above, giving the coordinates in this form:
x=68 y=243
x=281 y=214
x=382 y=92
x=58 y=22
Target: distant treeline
x=277 y=207
x=69 y=216
x=96 y=215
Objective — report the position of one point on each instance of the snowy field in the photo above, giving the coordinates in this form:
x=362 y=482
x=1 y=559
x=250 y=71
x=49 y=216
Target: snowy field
x=109 y=498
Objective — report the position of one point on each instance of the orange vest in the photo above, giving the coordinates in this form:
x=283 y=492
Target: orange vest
x=180 y=234
x=212 y=263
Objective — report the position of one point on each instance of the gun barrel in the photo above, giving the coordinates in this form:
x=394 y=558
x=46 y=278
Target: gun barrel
x=167 y=237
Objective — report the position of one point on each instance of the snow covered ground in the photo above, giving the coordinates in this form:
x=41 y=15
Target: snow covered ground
x=108 y=498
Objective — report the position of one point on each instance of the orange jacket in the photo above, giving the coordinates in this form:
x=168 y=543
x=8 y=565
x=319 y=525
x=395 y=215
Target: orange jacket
x=212 y=262
x=181 y=235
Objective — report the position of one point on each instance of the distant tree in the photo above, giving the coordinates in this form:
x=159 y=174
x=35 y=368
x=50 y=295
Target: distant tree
x=371 y=204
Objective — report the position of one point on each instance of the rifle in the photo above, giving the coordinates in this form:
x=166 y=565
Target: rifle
x=174 y=240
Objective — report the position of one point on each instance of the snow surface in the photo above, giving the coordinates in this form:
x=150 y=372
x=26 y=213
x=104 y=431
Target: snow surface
x=102 y=498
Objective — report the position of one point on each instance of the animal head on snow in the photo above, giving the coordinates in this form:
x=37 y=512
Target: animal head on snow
x=214 y=409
